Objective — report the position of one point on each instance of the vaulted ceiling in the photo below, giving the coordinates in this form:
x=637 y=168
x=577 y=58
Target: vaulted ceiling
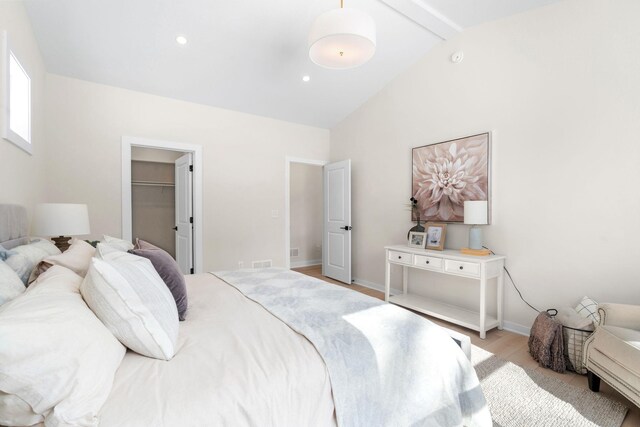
x=247 y=55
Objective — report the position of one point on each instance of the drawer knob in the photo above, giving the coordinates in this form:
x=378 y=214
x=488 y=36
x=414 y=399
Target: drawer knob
x=427 y=261
x=399 y=257
x=461 y=268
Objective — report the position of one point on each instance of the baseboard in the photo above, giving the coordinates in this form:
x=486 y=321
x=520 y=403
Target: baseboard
x=374 y=286
x=307 y=263
x=517 y=328
x=508 y=326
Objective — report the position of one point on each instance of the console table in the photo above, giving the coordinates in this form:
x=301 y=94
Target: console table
x=451 y=262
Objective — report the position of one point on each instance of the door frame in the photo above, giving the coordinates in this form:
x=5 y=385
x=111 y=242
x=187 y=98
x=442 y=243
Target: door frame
x=287 y=201
x=196 y=151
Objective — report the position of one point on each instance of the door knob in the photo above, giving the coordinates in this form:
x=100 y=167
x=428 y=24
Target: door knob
x=346 y=227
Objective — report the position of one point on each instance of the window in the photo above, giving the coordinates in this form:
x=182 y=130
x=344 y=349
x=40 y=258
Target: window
x=18 y=101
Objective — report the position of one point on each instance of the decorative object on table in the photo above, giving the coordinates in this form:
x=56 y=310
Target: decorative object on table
x=475 y=214
x=447 y=174
x=436 y=234
x=417 y=239
x=475 y=252
x=342 y=38
x=60 y=219
x=415 y=214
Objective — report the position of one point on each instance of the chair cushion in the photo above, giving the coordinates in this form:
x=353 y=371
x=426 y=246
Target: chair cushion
x=630 y=336
x=620 y=345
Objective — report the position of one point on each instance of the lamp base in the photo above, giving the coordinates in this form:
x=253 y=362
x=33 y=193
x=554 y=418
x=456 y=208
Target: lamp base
x=61 y=242
x=475 y=237
x=475 y=252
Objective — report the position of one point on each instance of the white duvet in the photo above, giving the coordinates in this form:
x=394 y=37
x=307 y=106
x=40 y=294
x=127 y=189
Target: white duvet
x=236 y=365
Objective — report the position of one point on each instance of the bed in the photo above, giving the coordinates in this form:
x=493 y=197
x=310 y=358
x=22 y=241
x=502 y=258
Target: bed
x=257 y=350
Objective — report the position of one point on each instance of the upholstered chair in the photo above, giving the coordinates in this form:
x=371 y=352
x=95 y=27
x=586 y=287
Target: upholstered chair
x=612 y=353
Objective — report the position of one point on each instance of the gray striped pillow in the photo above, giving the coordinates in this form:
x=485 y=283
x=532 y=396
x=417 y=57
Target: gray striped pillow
x=130 y=298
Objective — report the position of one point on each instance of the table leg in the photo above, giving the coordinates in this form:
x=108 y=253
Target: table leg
x=405 y=279
x=500 y=297
x=483 y=305
x=387 y=279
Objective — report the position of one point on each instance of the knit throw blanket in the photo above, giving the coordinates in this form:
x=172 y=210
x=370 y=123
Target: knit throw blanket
x=546 y=343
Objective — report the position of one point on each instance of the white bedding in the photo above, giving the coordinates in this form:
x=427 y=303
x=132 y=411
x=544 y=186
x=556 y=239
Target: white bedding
x=236 y=365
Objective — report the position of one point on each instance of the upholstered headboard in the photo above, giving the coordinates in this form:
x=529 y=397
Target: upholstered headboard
x=14 y=228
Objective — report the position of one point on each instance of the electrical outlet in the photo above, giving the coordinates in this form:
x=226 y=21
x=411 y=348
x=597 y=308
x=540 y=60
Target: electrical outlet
x=294 y=252
x=275 y=213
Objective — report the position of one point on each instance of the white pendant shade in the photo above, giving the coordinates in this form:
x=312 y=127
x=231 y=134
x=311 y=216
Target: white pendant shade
x=342 y=38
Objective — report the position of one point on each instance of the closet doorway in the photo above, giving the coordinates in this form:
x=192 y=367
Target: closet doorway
x=161 y=195
x=153 y=196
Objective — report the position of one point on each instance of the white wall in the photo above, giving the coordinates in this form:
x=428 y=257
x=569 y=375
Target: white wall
x=306 y=213
x=22 y=175
x=243 y=162
x=560 y=88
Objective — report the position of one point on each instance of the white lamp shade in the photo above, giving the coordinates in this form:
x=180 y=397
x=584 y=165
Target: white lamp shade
x=60 y=219
x=475 y=212
x=342 y=38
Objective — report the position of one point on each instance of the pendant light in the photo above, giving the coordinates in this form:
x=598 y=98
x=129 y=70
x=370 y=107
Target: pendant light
x=342 y=38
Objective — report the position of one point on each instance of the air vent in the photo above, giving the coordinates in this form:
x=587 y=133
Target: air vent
x=261 y=264
x=294 y=252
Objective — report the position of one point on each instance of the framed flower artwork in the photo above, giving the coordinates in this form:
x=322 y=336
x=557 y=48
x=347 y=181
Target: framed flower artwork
x=447 y=174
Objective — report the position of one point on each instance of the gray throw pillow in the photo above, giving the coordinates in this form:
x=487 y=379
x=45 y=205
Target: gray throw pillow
x=167 y=269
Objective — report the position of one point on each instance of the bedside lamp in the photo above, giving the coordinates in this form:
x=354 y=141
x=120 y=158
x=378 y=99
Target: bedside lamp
x=475 y=213
x=60 y=219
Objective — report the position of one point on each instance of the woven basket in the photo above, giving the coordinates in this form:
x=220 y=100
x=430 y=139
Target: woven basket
x=573 y=348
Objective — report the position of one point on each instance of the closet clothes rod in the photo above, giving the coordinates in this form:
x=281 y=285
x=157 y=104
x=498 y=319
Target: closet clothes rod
x=153 y=184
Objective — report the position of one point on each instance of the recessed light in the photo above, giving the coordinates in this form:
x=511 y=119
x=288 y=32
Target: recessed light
x=306 y=78
x=181 y=40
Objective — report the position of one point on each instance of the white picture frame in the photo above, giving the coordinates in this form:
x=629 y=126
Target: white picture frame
x=417 y=239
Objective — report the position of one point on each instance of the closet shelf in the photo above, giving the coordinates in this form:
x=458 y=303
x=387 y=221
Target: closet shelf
x=153 y=184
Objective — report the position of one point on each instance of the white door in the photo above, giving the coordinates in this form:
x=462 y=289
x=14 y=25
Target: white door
x=184 y=213
x=336 y=241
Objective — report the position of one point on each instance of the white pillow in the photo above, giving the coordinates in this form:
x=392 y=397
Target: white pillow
x=16 y=412
x=77 y=259
x=55 y=355
x=128 y=295
x=588 y=308
x=27 y=256
x=10 y=284
x=46 y=245
x=123 y=245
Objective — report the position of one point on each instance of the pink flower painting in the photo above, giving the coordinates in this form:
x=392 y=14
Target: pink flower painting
x=448 y=173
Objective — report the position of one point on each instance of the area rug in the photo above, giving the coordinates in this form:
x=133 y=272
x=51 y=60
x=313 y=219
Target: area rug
x=525 y=397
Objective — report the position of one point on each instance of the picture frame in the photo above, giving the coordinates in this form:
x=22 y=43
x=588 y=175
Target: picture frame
x=436 y=234
x=417 y=239
x=448 y=173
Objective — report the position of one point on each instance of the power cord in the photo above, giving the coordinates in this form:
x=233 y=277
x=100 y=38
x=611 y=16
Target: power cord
x=514 y=284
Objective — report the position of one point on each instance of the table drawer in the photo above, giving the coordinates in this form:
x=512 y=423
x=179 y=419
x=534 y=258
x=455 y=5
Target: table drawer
x=471 y=269
x=427 y=262
x=401 y=257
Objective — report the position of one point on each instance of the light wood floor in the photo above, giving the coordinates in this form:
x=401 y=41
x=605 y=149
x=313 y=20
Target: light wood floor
x=505 y=345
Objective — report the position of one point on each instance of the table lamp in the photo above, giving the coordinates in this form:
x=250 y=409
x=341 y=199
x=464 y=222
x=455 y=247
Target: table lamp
x=60 y=219
x=475 y=213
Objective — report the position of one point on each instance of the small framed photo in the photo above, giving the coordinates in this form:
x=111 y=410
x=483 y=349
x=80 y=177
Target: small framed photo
x=417 y=239
x=436 y=233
